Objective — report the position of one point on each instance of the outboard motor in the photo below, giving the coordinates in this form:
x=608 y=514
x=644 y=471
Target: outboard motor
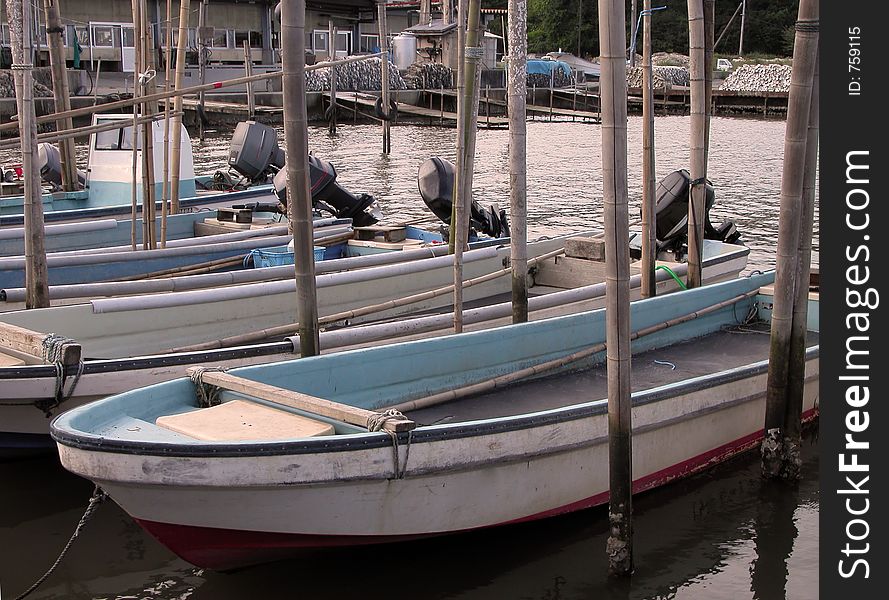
x=671 y=213
x=436 y=182
x=49 y=160
x=327 y=194
x=254 y=151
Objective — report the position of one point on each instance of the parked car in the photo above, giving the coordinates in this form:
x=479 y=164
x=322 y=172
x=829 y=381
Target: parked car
x=723 y=64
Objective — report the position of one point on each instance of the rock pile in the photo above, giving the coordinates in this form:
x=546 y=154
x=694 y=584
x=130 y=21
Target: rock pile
x=355 y=76
x=429 y=76
x=661 y=76
x=758 y=78
x=7 y=86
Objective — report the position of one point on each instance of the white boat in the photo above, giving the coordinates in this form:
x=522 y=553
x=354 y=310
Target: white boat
x=141 y=340
x=300 y=454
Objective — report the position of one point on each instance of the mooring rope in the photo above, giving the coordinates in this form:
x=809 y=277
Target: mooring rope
x=376 y=421
x=53 y=349
x=208 y=395
x=97 y=498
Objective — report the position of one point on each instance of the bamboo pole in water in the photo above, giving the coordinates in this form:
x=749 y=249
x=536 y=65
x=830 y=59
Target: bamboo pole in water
x=518 y=184
x=698 y=170
x=202 y=65
x=293 y=26
x=775 y=444
x=134 y=133
x=384 y=73
x=649 y=222
x=165 y=181
x=458 y=85
x=465 y=159
x=54 y=32
x=176 y=124
x=796 y=375
x=148 y=109
x=709 y=32
x=51 y=136
x=612 y=33
x=248 y=71
x=331 y=40
x=36 y=277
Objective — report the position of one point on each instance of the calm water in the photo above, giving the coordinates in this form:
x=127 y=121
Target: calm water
x=724 y=534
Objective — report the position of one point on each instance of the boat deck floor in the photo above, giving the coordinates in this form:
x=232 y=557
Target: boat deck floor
x=727 y=349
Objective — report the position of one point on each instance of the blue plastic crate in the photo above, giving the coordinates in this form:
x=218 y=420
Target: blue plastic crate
x=279 y=255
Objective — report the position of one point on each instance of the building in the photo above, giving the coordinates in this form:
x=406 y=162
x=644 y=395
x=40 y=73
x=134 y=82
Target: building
x=104 y=30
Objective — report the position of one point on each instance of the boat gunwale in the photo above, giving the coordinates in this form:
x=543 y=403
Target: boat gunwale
x=150 y=361
x=422 y=434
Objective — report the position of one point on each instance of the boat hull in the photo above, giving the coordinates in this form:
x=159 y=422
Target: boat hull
x=227 y=511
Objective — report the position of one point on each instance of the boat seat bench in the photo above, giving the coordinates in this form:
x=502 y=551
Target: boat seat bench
x=304 y=402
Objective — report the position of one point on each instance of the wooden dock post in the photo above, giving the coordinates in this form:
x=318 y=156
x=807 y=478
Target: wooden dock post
x=778 y=447
x=384 y=74
x=517 y=82
x=612 y=30
x=293 y=26
x=331 y=41
x=18 y=12
x=248 y=72
x=698 y=170
x=176 y=124
x=60 y=93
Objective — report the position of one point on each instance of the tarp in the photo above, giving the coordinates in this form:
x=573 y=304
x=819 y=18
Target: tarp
x=546 y=67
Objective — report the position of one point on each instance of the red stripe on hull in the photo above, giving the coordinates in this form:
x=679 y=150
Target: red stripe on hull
x=224 y=549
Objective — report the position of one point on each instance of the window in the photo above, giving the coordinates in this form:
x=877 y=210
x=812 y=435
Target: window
x=255 y=39
x=319 y=41
x=241 y=37
x=4 y=34
x=220 y=39
x=129 y=37
x=103 y=36
x=83 y=35
x=343 y=41
x=369 y=43
x=117 y=139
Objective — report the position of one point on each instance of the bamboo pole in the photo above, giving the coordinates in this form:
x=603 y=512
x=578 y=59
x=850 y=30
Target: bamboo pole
x=110 y=106
x=709 y=32
x=176 y=124
x=797 y=365
x=697 y=145
x=134 y=133
x=741 y=36
x=634 y=16
x=51 y=136
x=248 y=71
x=384 y=73
x=54 y=32
x=293 y=25
x=612 y=33
x=466 y=158
x=331 y=39
x=202 y=66
x=544 y=367
x=36 y=278
x=458 y=84
x=518 y=140
x=148 y=108
x=649 y=220
x=799 y=102
x=165 y=181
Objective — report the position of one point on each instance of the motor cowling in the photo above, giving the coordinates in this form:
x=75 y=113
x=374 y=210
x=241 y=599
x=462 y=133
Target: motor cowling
x=435 y=180
x=49 y=162
x=329 y=196
x=254 y=152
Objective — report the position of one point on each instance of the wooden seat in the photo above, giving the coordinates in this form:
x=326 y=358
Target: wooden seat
x=7 y=360
x=242 y=421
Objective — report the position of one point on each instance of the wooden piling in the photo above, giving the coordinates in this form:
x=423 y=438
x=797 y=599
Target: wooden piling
x=60 y=92
x=148 y=108
x=796 y=375
x=331 y=40
x=384 y=73
x=293 y=26
x=134 y=132
x=517 y=81
x=709 y=33
x=698 y=170
x=799 y=103
x=176 y=124
x=612 y=32
x=202 y=67
x=165 y=181
x=18 y=12
x=649 y=228
x=248 y=72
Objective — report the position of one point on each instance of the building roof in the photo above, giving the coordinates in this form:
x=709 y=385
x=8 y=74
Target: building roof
x=436 y=27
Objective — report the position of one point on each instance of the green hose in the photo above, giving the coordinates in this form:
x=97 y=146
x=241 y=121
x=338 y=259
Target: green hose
x=673 y=275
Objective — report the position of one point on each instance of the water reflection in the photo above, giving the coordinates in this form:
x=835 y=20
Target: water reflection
x=724 y=534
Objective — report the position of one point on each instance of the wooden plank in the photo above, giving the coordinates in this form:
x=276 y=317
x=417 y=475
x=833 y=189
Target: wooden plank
x=7 y=360
x=586 y=248
x=30 y=342
x=240 y=420
x=568 y=273
x=298 y=400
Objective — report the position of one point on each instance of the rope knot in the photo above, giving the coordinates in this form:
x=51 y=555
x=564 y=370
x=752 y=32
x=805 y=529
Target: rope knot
x=207 y=395
x=376 y=421
x=53 y=350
